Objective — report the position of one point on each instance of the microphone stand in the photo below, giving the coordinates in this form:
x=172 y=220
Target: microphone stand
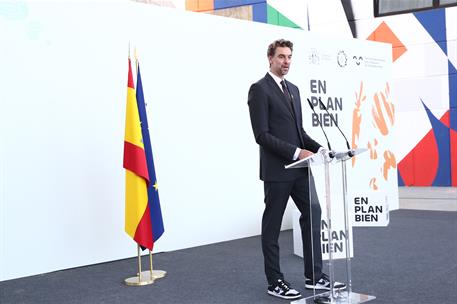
x=350 y=151
x=331 y=153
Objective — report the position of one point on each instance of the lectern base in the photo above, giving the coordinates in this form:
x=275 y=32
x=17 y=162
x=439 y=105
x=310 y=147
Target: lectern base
x=340 y=297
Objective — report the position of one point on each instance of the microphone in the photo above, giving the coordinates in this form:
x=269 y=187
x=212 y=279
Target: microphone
x=331 y=153
x=350 y=152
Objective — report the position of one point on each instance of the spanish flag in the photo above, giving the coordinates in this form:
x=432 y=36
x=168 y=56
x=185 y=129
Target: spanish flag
x=143 y=217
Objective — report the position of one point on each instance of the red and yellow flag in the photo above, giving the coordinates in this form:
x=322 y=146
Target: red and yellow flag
x=137 y=215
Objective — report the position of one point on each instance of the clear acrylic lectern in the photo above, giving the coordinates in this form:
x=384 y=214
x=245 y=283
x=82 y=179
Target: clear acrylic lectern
x=328 y=163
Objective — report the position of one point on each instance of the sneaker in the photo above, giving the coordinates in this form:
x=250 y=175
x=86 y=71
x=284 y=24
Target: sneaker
x=323 y=284
x=281 y=289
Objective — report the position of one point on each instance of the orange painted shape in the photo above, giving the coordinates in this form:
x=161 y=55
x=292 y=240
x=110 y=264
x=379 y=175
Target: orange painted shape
x=357 y=119
x=383 y=33
x=373 y=184
x=390 y=110
x=397 y=52
x=360 y=96
x=192 y=5
x=372 y=149
x=205 y=5
x=378 y=116
x=389 y=162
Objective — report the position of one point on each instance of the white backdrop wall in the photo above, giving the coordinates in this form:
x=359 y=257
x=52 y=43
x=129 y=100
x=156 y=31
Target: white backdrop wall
x=63 y=90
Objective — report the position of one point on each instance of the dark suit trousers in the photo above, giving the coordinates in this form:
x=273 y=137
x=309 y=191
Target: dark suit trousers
x=276 y=197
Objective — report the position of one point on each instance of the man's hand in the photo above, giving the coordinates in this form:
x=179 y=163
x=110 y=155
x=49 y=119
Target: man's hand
x=304 y=154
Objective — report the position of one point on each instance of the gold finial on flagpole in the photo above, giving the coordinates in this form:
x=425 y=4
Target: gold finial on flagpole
x=135 y=54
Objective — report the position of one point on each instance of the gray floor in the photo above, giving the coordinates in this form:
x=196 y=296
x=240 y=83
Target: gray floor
x=428 y=198
x=414 y=260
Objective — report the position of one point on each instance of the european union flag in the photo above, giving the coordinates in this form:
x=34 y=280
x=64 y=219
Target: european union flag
x=153 y=190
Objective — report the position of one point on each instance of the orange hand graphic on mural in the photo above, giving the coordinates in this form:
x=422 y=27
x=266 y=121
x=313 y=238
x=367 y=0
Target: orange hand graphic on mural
x=372 y=149
x=383 y=118
x=373 y=184
x=389 y=162
x=357 y=119
x=383 y=113
x=381 y=109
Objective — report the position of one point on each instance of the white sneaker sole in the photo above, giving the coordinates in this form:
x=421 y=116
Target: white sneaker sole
x=307 y=286
x=274 y=294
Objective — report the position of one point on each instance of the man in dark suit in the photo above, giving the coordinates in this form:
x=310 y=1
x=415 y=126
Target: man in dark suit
x=276 y=118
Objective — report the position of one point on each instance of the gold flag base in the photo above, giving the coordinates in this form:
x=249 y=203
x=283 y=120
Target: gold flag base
x=145 y=277
x=139 y=281
x=156 y=274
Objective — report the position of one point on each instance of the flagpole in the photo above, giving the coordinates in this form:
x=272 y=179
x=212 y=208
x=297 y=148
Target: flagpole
x=154 y=274
x=150 y=262
x=142 y=278
x=139 y=262
x=135 y=54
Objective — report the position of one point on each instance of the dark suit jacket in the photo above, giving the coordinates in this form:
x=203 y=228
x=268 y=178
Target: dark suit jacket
x=276 y=130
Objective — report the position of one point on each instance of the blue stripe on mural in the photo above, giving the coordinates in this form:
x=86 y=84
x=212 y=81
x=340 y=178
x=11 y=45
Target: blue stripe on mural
x=452 y=94
x=434 y=21
x=442 y=137
x=259 y=12
x=401 y=183
x=220 y=4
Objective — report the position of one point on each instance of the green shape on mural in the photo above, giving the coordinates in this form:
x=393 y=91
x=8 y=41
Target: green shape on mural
x=276 y=18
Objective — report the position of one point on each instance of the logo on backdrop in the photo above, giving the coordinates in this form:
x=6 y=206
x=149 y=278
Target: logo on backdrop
x=342 y=59
x=338 y=239
x=365 y=211
x=313 y=56
x=357 y=59
x=334 y=104
x=373 y=62
x=370 y=210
